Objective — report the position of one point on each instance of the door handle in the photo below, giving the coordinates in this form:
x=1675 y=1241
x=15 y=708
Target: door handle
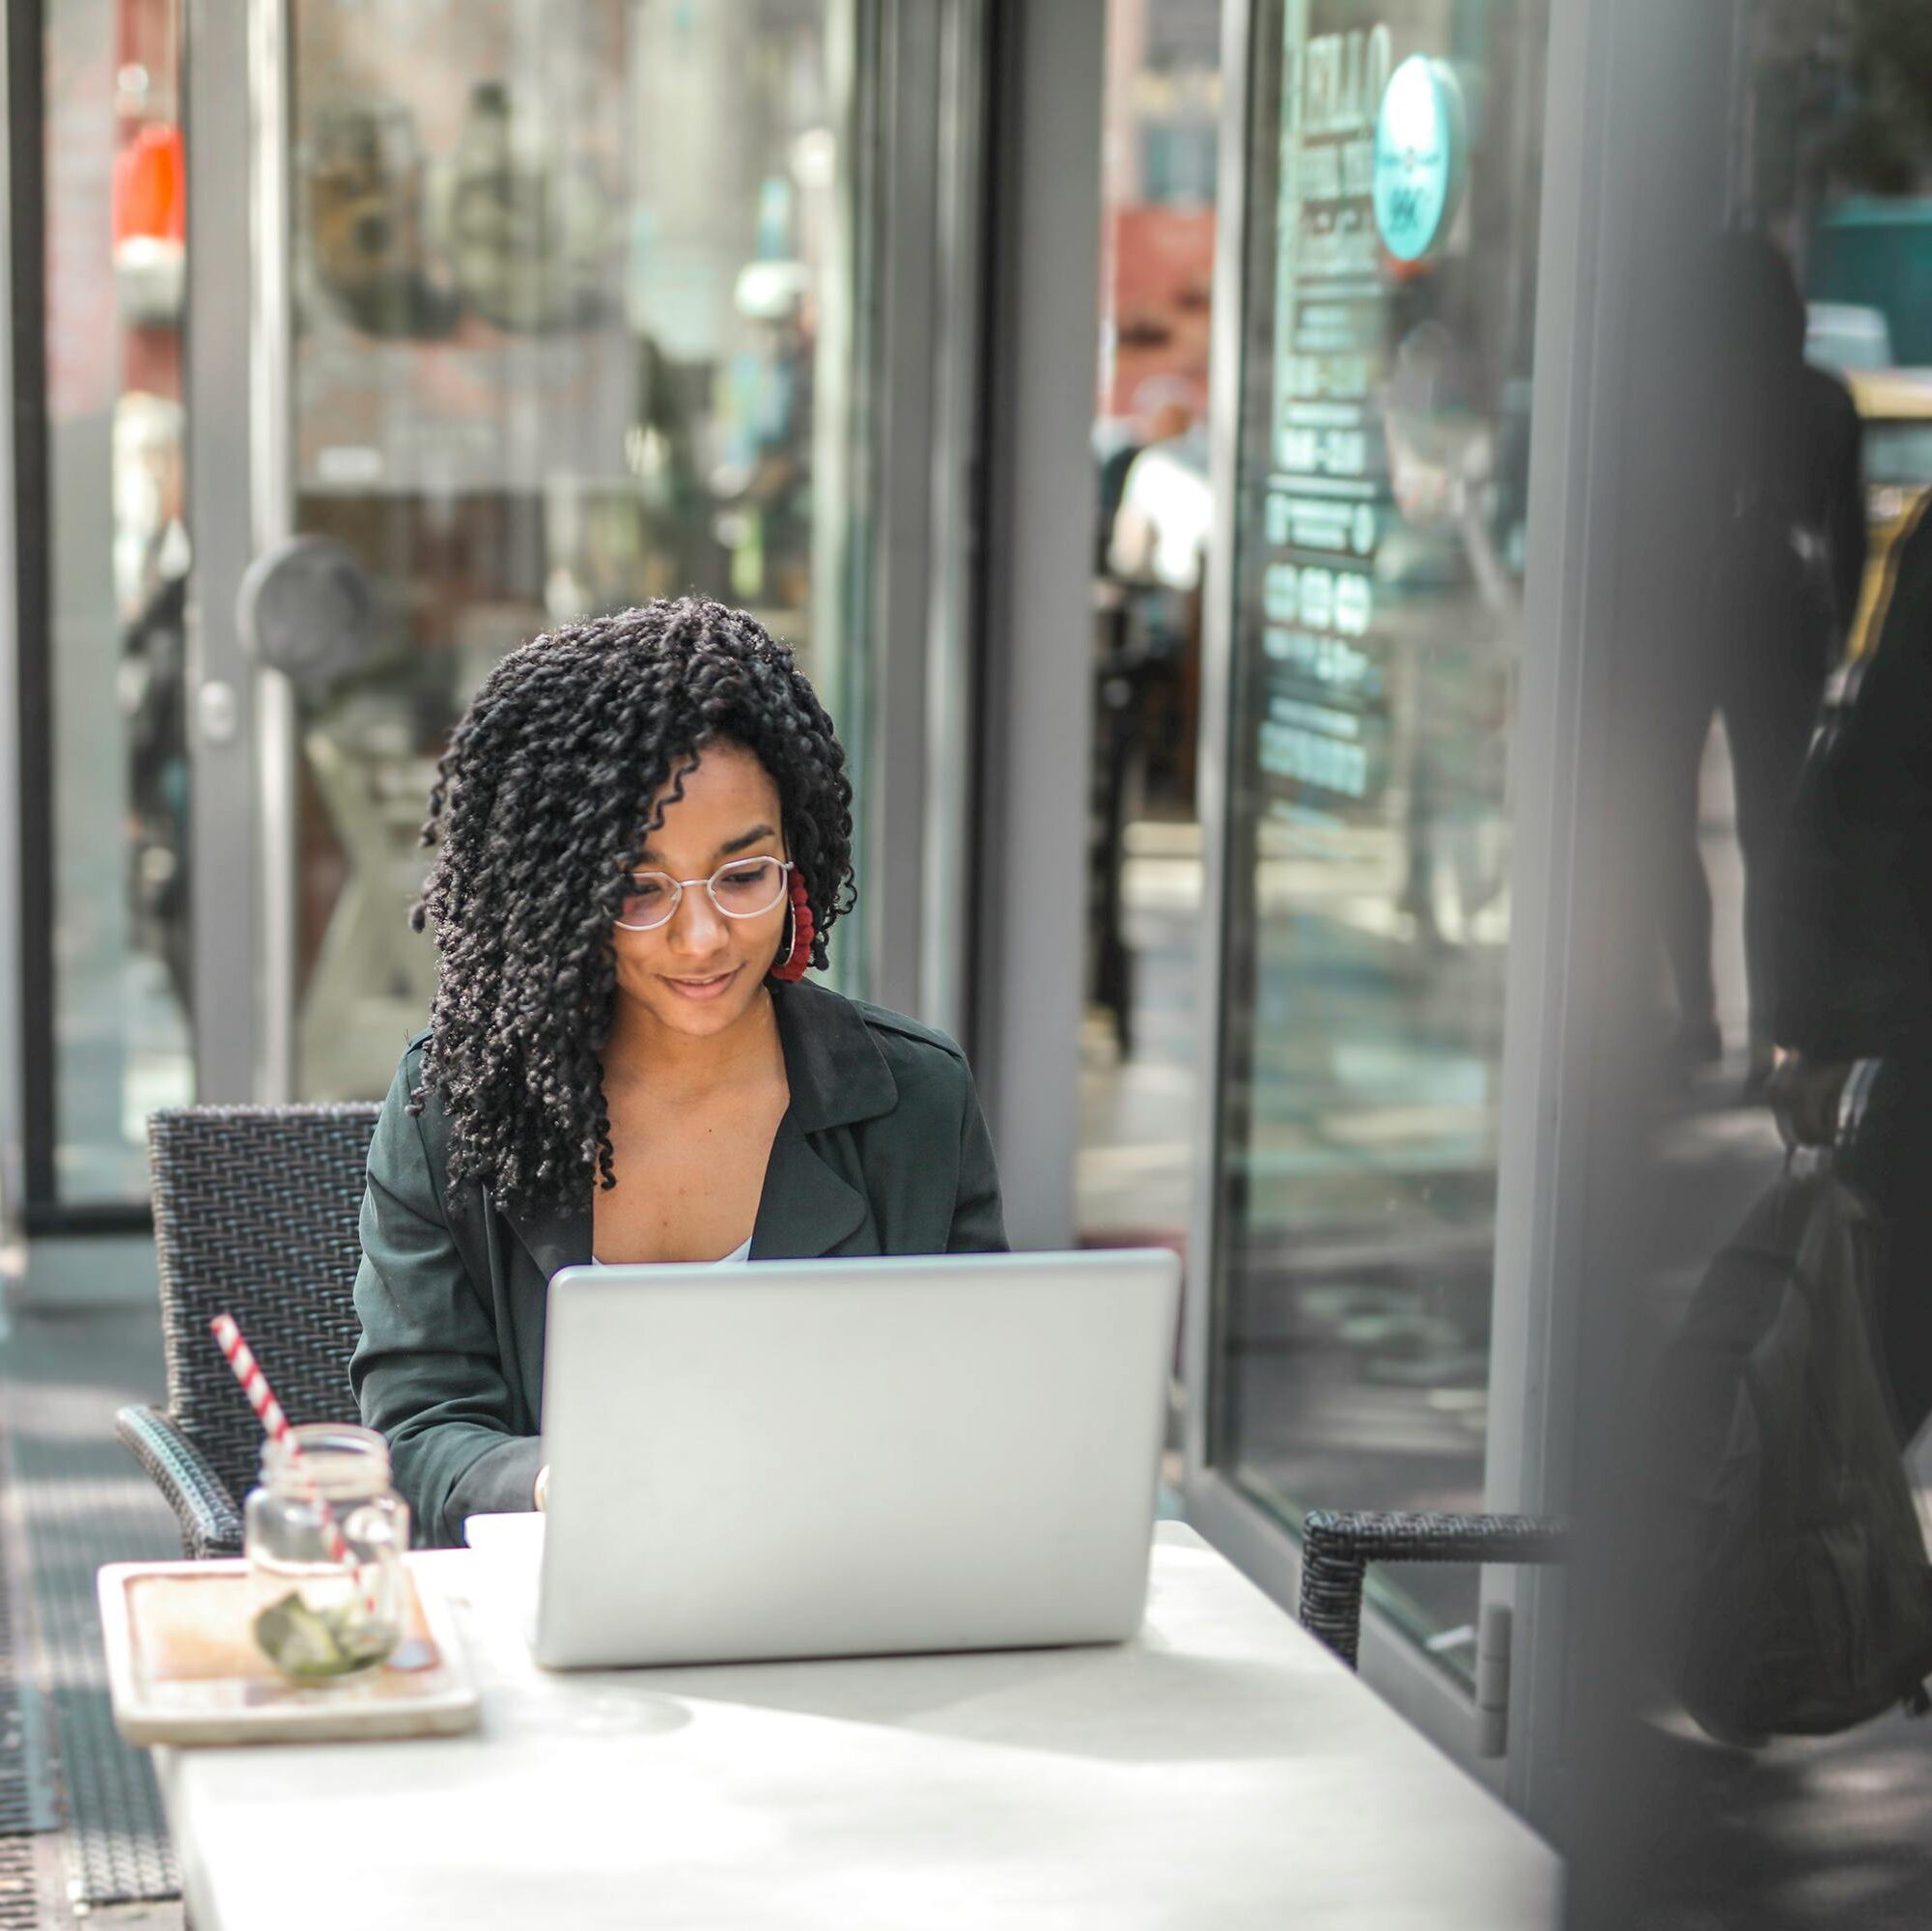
x=307 y=610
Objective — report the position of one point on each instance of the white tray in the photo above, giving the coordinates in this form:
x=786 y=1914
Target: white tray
x=182 y=1668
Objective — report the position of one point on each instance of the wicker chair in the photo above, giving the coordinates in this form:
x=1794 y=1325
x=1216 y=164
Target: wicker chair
x=256 y=1212
x=1336 y=1549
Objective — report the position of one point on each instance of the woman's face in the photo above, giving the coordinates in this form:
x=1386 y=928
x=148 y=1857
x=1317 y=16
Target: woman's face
x=699 y=972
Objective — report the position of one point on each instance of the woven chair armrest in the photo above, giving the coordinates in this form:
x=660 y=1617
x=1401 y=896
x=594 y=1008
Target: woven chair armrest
x=1389 y=1537
x=210 y=1522
x=1336 y=1549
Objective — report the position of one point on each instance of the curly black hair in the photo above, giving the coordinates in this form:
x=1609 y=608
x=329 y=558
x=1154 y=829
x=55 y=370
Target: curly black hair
x=540 y=806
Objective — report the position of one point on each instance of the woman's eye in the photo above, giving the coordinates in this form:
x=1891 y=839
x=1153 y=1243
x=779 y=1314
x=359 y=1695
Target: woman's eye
x=643 y=892
x=747 y=884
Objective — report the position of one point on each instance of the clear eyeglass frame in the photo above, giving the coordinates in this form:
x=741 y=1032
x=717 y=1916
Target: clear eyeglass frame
x=735 y=868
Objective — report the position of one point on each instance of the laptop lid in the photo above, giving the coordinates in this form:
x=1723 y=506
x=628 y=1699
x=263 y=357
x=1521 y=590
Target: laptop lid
x=852 y=1457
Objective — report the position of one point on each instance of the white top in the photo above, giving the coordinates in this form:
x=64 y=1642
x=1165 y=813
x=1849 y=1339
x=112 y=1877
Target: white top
x=739 y=1253
x=1221 y=1769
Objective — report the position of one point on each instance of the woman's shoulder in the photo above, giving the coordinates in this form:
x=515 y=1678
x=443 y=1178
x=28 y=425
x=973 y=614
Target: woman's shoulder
x=895 y=1033
x=430 y=1129
x=409 y=1068
x=850 y=1054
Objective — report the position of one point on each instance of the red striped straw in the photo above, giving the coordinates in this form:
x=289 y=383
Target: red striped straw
x=269 y=1412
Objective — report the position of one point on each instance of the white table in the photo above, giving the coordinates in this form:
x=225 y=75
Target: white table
x=1221 y=1771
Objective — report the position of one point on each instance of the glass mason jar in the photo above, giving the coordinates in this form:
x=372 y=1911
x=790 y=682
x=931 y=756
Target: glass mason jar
x=316 y=1619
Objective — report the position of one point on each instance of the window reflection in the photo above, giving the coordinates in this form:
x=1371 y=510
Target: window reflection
x=573 y=330
x=1393 y=175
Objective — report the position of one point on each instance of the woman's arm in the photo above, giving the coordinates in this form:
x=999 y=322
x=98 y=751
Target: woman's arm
x=979 y=1223
x=428 y=1370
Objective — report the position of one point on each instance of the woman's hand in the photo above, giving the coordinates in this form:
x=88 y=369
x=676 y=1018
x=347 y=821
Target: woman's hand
x=543 y=1489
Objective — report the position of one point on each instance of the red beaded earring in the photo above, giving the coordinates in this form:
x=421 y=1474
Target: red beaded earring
x=798 y=954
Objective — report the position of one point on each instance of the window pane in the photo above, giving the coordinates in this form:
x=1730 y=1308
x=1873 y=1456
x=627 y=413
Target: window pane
x=117 y=579
x=562 y=345
x=1138 y=1070
x=1389 y=309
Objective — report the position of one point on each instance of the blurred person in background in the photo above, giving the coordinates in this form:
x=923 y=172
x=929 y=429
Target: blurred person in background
x=1442 y=440
x=1780 y=517
x=151 y=562
x=1163 y=408
x=1156 y=507
x=1157 y=554
x=764 y=485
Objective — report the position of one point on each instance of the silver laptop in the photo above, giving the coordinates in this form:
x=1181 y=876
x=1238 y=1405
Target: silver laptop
x=851 y=1457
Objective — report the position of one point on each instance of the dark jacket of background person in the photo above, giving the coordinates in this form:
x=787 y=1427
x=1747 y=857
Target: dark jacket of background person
x=1776 y=546
x=1833 y=496
x=1855 y=970
x=1856 y=952
x=882 y=1151
x=1783 y=447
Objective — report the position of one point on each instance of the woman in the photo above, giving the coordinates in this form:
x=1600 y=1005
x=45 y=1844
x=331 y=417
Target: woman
x=646 y=829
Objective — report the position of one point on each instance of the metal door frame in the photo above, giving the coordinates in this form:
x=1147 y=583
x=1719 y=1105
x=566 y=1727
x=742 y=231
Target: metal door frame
x=1034 y=622
x=22 y=1086
x=240 y=716
x=929 y=157
x=1533 y=1352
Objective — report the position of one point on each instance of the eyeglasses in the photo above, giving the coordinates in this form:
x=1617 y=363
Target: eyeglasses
x=745 y=888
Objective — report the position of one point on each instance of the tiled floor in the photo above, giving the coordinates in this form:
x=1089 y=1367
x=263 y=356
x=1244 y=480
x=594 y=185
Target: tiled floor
x=1805 y=1835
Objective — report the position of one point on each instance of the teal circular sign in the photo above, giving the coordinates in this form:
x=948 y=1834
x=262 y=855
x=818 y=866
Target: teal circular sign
x=1419 y=142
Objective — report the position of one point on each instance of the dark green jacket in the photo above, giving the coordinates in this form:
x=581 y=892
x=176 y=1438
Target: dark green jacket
x=882 y=1151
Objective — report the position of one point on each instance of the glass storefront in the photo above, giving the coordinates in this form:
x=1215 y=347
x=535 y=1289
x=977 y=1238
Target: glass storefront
x=575 y=324
x=1388 y=296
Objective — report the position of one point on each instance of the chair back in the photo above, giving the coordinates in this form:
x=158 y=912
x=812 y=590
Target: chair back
x=256 y=1214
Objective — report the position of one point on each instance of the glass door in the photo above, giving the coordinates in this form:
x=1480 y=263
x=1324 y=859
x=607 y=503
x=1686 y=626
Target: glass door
x=553 y=307
x=1379 y=388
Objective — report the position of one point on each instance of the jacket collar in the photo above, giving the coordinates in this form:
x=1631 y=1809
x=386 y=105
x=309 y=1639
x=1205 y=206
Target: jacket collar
x=838 y=1076
x=833 y=1065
